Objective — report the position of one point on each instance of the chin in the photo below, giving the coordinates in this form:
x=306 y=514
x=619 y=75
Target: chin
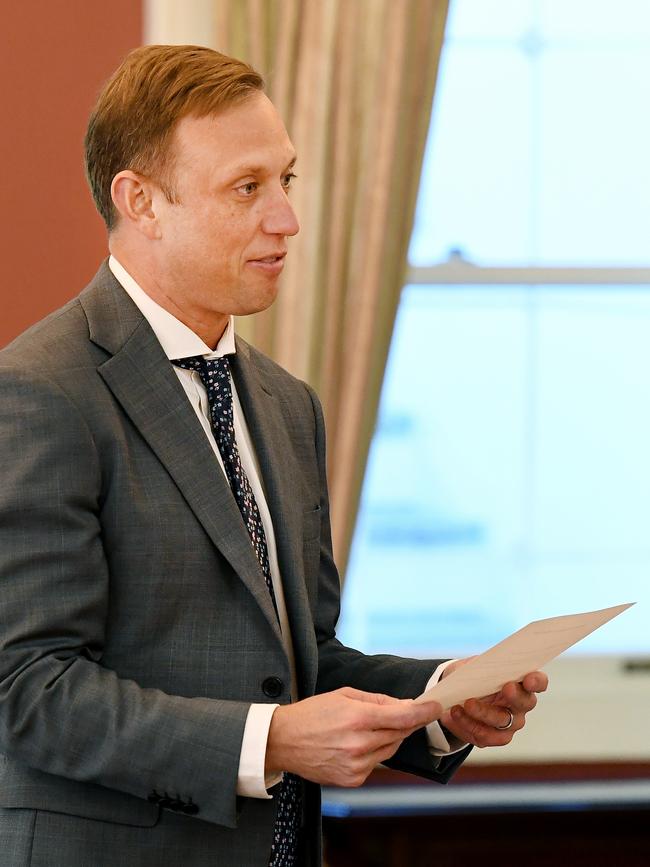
x=262 y=302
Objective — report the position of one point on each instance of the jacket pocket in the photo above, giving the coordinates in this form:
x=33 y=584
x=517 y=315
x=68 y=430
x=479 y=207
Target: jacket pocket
x=25 y=788
x=311 y=521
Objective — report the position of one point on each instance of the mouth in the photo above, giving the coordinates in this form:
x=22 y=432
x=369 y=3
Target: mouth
x=272 y=264
x=273 y=259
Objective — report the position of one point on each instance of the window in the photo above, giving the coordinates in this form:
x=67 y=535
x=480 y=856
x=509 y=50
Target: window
x=509 y=476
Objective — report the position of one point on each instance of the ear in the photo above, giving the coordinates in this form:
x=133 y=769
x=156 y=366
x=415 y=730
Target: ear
x=133 y=196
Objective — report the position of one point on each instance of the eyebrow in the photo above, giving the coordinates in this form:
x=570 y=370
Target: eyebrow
x=251 y=169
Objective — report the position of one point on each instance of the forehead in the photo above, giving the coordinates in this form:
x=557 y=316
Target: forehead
x=249 y=133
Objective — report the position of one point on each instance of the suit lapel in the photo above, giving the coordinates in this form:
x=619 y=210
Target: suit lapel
x=268 y=431
x=142 y=380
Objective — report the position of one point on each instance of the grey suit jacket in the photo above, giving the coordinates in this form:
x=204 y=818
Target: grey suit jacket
x=135 y=625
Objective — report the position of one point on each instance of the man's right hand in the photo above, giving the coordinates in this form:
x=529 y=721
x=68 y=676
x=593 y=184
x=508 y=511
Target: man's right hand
x=337 y=738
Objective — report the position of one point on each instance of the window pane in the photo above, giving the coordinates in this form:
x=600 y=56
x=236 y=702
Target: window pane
x=475 y=191
x=539 y=137
x=594 y=134
x=506 y=19
x=589 y=19
x=591 y=473
x=508 y=478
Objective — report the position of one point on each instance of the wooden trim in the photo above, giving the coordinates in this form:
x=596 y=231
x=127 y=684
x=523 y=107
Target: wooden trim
x=519 y=773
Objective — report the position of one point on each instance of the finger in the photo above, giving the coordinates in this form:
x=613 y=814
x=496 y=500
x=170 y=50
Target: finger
x=381 y=699
x=536 y=681
x=472 y=730
x=387 y=751
x=518 y=699
x=432 y=709
x=493 y=715
x=385 y=711
x=359 y=769
x=369 y=697
x=381 y=739
x=406 y=714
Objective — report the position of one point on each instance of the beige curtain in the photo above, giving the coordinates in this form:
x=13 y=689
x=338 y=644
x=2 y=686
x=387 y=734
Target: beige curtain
x=354 y=81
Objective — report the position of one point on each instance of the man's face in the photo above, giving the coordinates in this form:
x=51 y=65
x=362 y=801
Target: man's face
x=224 y=240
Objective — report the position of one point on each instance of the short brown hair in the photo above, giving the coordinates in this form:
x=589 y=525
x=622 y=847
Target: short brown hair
x=135 y=115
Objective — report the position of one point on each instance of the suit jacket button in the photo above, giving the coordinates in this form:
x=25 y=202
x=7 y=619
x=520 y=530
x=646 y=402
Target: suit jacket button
x=165 y=801
x=272 y=687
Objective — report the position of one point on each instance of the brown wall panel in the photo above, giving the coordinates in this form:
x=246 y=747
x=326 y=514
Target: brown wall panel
x=54 y=57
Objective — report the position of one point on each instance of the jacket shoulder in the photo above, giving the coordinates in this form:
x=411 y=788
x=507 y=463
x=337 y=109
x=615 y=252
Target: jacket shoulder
x=60 y=339
x=64 y=339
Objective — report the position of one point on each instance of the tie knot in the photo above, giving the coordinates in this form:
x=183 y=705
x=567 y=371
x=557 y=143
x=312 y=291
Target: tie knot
x=211 y=370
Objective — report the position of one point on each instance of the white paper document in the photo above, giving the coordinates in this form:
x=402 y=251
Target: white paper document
x=524 y=651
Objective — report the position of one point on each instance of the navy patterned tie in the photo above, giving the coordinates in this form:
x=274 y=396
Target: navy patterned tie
x=215 y=376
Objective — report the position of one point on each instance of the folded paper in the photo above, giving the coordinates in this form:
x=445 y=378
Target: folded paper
x=524 y=651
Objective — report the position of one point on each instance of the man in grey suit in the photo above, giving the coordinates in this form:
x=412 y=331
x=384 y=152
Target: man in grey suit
x=171 y=687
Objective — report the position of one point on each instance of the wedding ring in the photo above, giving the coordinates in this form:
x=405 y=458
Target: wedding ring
x=508 y=725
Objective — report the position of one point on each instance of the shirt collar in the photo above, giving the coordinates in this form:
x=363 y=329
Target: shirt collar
x=176 y=339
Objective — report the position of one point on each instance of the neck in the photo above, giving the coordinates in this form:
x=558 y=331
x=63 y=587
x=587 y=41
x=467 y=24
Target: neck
x=208 y=325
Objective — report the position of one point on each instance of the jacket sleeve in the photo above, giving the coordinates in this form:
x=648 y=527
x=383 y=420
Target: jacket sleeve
x=339 y=665
x=61 y=710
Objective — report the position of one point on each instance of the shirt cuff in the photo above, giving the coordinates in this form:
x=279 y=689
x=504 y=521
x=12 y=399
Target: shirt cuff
x=441 y=742
x=251 y=781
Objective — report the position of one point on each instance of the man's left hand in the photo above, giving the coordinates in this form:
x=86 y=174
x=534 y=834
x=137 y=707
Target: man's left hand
x=483 y=721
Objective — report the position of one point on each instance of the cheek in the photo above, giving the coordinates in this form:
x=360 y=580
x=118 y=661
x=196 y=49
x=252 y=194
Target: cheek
x=223 y=227
x=216 y=240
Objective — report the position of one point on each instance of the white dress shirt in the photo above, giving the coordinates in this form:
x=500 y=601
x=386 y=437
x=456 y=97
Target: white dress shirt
x=179 y=341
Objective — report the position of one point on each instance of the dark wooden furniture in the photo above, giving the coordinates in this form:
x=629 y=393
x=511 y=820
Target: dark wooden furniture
x=595 y=815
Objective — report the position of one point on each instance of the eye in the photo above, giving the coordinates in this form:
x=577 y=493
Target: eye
x=287 y=179
x=249 y=188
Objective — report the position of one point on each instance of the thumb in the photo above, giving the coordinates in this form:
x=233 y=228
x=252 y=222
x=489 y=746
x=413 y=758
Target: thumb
x=369 y=697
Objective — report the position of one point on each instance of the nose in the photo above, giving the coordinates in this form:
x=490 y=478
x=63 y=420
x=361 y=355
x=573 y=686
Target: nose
x=280 y=218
